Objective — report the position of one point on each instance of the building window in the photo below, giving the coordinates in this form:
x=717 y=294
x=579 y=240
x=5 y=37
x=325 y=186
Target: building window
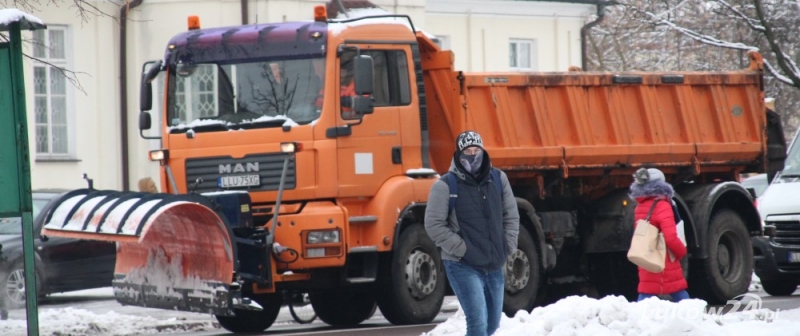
x=51 y=93
x=443 y=41
x=522 y=54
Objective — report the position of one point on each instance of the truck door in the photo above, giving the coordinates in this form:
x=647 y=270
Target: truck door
x=372 y=152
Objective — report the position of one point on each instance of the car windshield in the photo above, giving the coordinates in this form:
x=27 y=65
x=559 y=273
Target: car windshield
x=266 y=93
x=792 y=166
x=12 y=225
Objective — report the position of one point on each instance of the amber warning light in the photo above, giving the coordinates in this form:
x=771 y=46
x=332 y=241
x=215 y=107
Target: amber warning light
x=320 y=14
x=194 y=22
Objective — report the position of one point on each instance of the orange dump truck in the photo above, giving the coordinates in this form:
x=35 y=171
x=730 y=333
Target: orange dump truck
x=298 y=157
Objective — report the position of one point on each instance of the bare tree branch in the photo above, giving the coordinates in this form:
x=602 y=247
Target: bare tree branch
x=789 y=67
x=750 y=22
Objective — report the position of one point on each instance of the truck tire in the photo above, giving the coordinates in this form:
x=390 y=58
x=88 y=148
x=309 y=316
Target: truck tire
x=779 y=287
x=412 y=283
x=342 y=308
x=727 y=271
x=524 y=285
x=252 y=321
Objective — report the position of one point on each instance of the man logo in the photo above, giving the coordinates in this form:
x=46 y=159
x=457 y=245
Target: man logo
x=238 y=168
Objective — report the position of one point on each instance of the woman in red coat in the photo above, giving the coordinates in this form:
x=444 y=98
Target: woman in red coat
x=650 y=186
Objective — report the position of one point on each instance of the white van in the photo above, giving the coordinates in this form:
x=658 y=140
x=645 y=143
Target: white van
x=777 y=253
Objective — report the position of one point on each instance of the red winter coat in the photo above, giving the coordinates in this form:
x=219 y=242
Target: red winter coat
x=671 y=279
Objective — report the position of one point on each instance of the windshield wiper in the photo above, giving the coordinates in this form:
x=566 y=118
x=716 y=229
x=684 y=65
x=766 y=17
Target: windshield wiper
x=260 y=124
x=205 y=127
x=790 y=175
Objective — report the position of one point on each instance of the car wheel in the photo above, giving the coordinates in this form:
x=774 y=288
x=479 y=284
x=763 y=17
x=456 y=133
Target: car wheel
x=779 y=287
x=12 y=283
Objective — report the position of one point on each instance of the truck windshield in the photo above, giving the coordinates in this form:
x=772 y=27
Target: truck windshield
x=266 y=93
x=792 y=167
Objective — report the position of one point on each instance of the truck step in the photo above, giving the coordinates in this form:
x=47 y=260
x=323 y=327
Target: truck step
x=360 y=280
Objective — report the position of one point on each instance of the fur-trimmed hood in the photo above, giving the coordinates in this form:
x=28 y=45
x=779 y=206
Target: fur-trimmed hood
x=651 y=189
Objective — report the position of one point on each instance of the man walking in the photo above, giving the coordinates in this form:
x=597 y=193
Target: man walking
x=473 y=218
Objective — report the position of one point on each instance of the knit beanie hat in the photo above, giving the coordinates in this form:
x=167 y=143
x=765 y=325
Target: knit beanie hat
x=647 y=175
x=468 y=139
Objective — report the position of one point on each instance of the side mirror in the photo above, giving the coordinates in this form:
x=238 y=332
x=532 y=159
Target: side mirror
x=144 y=120
x=363 y=105
x=146 y=97
x=363 y=80
x=149 y=72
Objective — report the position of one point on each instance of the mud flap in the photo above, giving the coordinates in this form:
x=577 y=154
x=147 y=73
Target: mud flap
x=173 y=252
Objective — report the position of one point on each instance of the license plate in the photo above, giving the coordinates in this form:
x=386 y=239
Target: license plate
x=238 y=181
x=794 y=256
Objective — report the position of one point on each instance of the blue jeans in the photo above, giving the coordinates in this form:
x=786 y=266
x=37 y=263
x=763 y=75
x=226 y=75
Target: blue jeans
x=480 y=294
x=677 y=296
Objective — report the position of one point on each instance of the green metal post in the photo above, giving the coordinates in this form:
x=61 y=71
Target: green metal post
x=12 y=103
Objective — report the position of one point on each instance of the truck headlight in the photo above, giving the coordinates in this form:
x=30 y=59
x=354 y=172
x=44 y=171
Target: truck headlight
x=323 y=237
x=291 y=147
x=159 y=155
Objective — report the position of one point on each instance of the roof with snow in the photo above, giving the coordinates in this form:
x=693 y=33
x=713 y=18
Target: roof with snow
x=27 y=21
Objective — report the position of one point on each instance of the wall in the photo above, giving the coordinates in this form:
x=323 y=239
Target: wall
x=479 y=32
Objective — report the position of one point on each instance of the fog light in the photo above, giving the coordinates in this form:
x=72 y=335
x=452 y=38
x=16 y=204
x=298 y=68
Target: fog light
x=322 y=237
x=315 y=252
x=769 y=230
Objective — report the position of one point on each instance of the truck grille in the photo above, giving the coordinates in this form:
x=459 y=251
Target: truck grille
x=267 y=166
x=786 y=232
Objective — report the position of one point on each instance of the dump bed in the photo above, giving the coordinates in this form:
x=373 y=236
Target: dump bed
x=588 y=121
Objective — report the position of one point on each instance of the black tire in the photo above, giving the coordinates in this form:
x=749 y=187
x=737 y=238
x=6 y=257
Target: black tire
x=613 y=274
x=12 y=283
x=412 y=284
x=779 y=287
x=343 y=308
x=251 y=321
x=524 y=285
x=727 y=271
x=302 y=311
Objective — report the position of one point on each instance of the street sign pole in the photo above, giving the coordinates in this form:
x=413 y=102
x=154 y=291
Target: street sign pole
x=15 y=171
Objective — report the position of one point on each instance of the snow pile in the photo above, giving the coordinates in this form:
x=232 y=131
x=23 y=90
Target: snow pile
x=755 y=284
x=613 y=315
x=70 y=321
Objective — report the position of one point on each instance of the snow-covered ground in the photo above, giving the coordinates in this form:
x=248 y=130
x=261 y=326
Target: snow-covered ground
x=570 y=316
x=613 y=315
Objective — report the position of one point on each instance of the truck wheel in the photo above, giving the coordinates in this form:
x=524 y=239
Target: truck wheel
x=727 y=270
x=251 y=321
x=779 y=287
x=342 y=308
x=523 y=276
x=412 y=283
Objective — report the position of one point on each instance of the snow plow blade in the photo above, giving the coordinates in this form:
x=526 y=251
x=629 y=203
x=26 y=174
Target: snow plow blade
x=173 y=251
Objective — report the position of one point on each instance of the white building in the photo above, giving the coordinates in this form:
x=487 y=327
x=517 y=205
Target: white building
x=76 y=129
